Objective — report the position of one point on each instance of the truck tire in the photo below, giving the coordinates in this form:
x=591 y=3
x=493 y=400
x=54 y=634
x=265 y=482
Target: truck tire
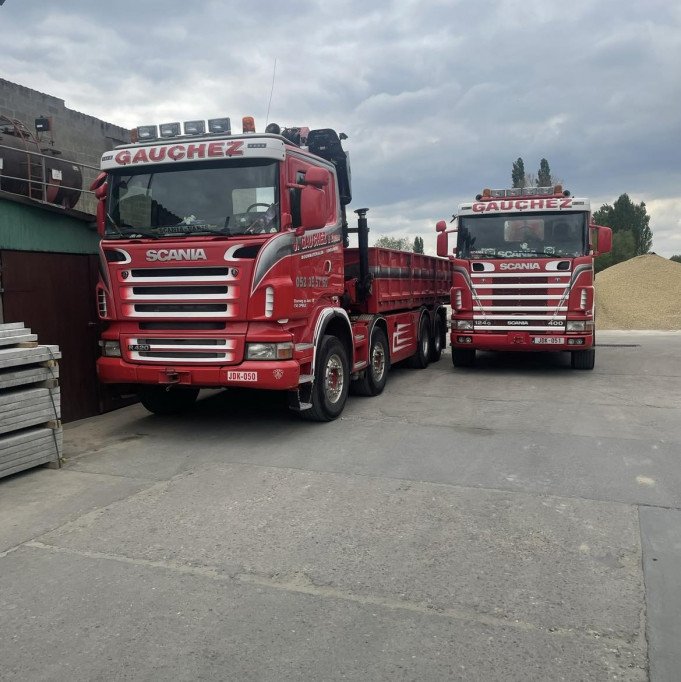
x=439 y=340
x=331 y=381
x=463 y=357
x=376 y=374
x=160 y=400
x=583 y=359
x=420 y=358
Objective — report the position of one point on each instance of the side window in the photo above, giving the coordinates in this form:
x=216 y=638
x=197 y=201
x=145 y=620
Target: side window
x=294 y=197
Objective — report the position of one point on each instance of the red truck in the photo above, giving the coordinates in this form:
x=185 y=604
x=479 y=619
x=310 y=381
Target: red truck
x=523 y=274
x=225 y=262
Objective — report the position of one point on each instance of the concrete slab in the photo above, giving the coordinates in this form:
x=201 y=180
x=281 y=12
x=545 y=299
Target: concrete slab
x=74 y=617
x=661 y=543
x=552 y=562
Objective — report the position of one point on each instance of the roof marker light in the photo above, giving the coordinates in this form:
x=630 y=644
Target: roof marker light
x=220 y=125
x=170 y=129
x=194 y=127
x=147 y=133
x=248 y=124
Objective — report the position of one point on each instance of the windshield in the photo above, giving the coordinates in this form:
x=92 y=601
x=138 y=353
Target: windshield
x=184 y=199
x=522 y=235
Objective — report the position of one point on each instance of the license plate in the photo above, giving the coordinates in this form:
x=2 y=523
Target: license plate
x=548 y=340
x=242 y=376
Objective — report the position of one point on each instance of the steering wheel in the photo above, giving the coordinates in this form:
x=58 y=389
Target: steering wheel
x=248 y=210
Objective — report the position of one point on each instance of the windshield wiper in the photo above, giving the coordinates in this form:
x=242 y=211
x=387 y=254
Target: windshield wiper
x=132 y=231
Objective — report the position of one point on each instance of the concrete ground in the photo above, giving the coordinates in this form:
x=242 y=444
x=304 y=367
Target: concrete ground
x=514 y=521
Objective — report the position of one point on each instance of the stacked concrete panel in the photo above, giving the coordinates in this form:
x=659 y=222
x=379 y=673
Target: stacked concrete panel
x=30 y=408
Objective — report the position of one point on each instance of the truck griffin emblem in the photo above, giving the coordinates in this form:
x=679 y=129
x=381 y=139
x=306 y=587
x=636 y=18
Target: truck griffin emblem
x=278 y=373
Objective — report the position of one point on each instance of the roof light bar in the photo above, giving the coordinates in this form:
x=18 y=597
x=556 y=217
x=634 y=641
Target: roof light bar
x=220 y=125
x=170 y=129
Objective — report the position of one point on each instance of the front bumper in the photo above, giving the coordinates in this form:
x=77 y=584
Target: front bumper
x=521 y=341
x=273 y=375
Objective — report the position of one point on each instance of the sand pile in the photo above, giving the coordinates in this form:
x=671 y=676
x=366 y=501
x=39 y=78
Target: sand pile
x=641 y=293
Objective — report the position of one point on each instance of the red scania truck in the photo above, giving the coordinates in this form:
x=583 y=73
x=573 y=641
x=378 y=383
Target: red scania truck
x=523 y=274
x=225 y=262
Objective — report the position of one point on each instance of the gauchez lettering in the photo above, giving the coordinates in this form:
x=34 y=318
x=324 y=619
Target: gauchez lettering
x=522 y=204
x=176 y=254
x=180 y=152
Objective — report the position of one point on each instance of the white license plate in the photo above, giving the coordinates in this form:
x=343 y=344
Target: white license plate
x=548 y=340
x=242 y=376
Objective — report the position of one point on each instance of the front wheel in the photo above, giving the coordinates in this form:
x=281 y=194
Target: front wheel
x=165 y=400
x=331 y=382
x=583 y=359
x=376 y=374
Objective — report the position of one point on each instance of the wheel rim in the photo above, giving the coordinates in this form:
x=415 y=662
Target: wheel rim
x=378 y=361
x=334 y=379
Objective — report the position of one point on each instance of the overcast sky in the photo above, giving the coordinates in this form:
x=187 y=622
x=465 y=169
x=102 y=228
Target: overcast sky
x=438 y=98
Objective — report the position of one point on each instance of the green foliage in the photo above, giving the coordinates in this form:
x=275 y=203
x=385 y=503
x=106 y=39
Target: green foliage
x=623 y=248
x=418 y=245
x=399 y=243
x=676 y=259
x=518 y=173
x=624 y=216
x=544 y=174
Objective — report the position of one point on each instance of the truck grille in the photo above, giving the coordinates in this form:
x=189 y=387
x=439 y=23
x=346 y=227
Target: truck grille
x=185 y=350
x=180 y=293
x=528 y=301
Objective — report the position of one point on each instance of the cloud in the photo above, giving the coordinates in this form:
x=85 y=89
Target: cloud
x=438 y=97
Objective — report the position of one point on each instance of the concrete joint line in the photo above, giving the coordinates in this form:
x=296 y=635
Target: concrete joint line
x=301 y=584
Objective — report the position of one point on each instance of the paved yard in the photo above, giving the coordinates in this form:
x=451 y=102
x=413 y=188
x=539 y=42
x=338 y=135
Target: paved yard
x=514 y=521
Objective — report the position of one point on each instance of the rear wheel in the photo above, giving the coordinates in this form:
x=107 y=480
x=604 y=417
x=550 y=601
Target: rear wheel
x=376 y=374
x=167 y=400
x=438 y=341
x=420 y=358
x=463 y=357
x=331 y=381
x=583 y=359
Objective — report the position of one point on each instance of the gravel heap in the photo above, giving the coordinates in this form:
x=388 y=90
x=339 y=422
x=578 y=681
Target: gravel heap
x=641 y=293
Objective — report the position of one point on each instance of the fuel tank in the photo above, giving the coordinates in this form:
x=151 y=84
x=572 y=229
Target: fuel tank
x=29 y=170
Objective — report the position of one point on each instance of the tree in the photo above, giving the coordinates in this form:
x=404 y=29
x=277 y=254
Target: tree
x=518 y=173
x=623 y=216
x=399 y=243
x=676 y=259
x=418 y=245
x=544 y=174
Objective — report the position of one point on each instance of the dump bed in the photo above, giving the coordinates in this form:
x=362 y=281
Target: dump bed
x=402 y=280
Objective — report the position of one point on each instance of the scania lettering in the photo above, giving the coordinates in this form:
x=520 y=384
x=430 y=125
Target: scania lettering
x=523 y=274
x=176 y=254
x=226 y=262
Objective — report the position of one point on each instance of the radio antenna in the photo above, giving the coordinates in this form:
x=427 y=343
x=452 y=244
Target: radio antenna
x=274 y=73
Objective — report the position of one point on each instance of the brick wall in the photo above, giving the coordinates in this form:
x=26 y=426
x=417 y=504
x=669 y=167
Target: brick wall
x=79 y=137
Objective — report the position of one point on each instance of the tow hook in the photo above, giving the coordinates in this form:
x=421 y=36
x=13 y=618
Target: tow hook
x=172 y=376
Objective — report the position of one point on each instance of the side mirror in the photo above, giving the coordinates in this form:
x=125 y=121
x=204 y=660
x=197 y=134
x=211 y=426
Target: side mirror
x=100 y=187
x=442 y=239
x=603 y=239
x=312 y=205
x=317 y=177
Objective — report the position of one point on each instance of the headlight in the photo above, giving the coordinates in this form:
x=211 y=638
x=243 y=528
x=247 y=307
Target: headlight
x=463 y=324
x=269 y=351
x=111 y=349
x=579 y=326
